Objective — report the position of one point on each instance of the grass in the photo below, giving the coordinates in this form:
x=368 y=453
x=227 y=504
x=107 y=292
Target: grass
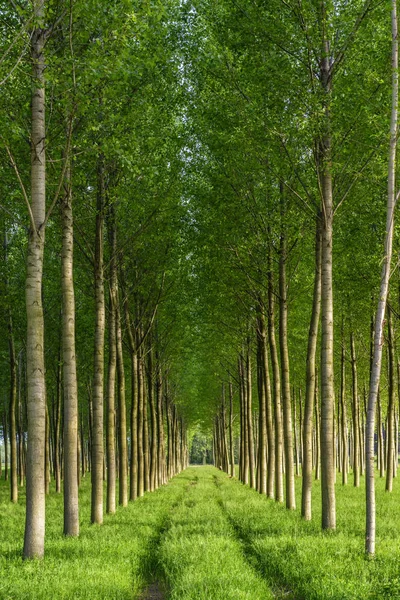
x=300 y=561
x=206 y=537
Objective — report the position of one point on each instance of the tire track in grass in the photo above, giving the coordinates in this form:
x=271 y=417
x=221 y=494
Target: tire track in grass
x=155 y=588
x=200 y=557
x=280 y=590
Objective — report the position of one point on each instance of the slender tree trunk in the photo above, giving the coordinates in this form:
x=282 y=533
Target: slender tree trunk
x=318 y=433
x=140 y=428
x=243 y=385
x=13 y=404
x=378 y=335
x=327 y=381
x=271 y=458
x=276 y=388
x=122 y=443
x=355 y=405
x=160 y=424
x=381 y=450
x=231 y=450
x=153 y=418
x=97 y=442
x=57 y=425
x=345 y=449
x=20 y=426
x=71 y=501
x=390 y=410
x=47 y=453
x=5 y=440
x=296 y=435
x=262 y=445
x=146 y=446
x=134 y=427
x=36 y=401
x=311 y=382
x=285 y=371
x=112 y=366
x=250 y=434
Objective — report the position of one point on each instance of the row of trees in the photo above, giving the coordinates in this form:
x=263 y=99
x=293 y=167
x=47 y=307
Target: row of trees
x=94 y=325
x=210 y=176
x=286 y=108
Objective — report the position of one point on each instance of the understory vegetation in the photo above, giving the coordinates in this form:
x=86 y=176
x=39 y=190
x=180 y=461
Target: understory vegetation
x=205 y=535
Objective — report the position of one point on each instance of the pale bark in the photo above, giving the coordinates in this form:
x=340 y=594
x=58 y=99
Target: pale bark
x=285 y=370
x=276 y=388
x=356 y=414
x=122 y=443
x=160 y=425
x=71 y=501
x=380 y=315
x=262 y=443
x=97 y=442
x=153 y=418
x=231 y=450
x=390 y=435
x=112 y=366
x=36 y=400
x=57 y=424
x=250 y=436
x=310 y=382
x=140 y=427
x=13 y=404
x=134 y=428
x=345 y=449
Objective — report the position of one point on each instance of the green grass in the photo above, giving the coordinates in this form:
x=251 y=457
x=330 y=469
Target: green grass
x=302 y=562
x=206 y=537
x=110 y=562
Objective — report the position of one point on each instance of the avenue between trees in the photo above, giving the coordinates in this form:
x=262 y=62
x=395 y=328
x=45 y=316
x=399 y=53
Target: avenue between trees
x=200 y=263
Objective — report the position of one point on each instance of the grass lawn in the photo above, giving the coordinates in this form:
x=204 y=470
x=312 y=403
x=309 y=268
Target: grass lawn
x=205 y=537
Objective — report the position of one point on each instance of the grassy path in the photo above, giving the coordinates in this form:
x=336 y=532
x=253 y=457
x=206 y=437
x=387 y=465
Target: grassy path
x=204 y=537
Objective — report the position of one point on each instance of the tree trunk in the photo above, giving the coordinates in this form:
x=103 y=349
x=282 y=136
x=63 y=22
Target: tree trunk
x=262 y=444
x=285 y=372
x=378 y=334
x=97 y=442
x=327 y=382
x=140 y=427
x=345 y=449
x=112 y=366
x=122 y=443
x=134 y=427
x=390 y=411
x=36 y=386
x=307 y=458
x=276 y=388
x=153 y=418
x=317 y=432
x=231 y=450
x=160 y=425
x=13 y=404
x=57 y=424
x=355 y=406
x=71 y=501
x=250 y=441
x=146 y=447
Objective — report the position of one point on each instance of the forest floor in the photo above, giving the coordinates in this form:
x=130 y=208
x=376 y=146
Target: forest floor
x=205 y=536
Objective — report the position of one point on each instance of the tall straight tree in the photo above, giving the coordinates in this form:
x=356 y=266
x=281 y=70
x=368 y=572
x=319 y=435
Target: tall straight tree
x=370 y=530
x=36 y=387
x=98 y=382
x=284 y=351
x=310 y=381
x=324 y=164
x=70 y=454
